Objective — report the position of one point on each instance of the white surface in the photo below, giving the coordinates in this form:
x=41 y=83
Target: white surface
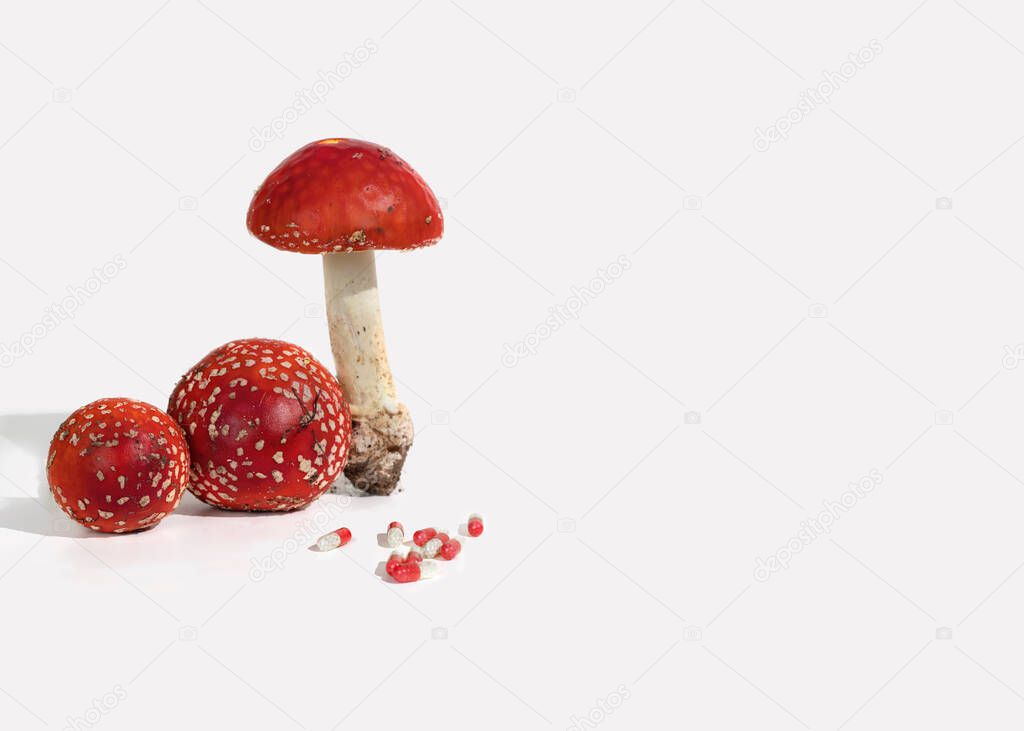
x=818 y=315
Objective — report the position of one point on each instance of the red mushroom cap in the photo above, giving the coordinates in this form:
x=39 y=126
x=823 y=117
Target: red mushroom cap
x=344 y=195
x=267 y=425
x=118 y=465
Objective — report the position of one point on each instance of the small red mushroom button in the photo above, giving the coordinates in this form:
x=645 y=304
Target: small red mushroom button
x=267 y=425
x=118 y=465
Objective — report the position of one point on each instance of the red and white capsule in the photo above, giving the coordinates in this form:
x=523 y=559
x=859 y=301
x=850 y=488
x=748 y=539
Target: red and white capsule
x=410 y=571
x=393 y=561
x=450 y=549
x=423 y=535
x=334 y=539
x=395 y=534
x=475 y=525
x=431 y=547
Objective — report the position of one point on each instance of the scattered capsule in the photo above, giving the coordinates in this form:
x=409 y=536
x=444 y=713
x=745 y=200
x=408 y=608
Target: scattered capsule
x=335 y=539
x=414 y=571
x=431 y=547
x=450 y=549
x=395 y=534
x=395 y=559
x=423 y=535
x=475 y=526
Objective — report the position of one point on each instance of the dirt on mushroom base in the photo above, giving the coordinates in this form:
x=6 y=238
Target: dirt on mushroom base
x=378 y=450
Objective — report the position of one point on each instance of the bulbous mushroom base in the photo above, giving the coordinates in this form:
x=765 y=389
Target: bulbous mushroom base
x=377 y=451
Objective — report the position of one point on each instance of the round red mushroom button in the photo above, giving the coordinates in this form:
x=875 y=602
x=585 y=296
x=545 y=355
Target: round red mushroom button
x=267 y=425
x=118 y=465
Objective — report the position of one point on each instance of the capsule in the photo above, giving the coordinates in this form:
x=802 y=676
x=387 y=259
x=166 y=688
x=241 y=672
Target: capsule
x=410 y=571
x=415 y=554
x=395 y=534
x=450 y=549
x=394 y=560
x=442 y=536
x=334 y=539
x=431 y=547
x=423 y=535
x=475 y=526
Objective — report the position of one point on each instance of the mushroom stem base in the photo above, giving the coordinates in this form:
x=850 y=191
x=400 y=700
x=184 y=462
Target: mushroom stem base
x=378 y=449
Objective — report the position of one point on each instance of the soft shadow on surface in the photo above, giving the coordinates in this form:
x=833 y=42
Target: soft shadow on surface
x=382 y=572
x=191 y=505
x=33 y=511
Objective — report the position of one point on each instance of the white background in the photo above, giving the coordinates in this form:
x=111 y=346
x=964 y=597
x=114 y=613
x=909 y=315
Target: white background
x=812 y=307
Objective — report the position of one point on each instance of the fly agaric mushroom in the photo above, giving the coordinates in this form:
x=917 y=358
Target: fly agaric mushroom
x=267 y=426
x=345 y=199
x=118 y=465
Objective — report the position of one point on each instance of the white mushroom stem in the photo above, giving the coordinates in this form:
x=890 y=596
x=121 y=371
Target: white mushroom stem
x=357 y=333
x=382 y=428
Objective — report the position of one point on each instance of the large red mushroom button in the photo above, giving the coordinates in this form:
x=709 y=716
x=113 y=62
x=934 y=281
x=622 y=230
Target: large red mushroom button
x=118 y=465
x=345 y=199
x=267 y=426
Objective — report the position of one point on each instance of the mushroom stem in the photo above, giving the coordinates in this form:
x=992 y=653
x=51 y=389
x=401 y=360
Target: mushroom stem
x=382 y=429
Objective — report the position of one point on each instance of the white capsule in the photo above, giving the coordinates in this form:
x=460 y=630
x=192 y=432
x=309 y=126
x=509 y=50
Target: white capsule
x=395 y=535
x=328 y=542
x=334 y=539
x=431 y=547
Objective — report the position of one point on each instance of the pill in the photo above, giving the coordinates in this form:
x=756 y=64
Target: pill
x=410 y=571
x=423 y=535
x=450 y=549
x=334 y=539
x=395 y=559
x=475 y=526
x=395 y=534
x=431 y=547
